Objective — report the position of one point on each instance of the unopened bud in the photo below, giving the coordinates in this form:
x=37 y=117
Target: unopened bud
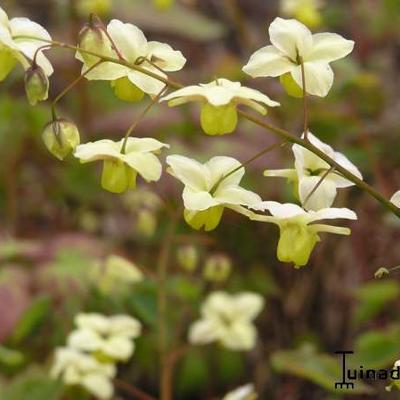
x=93 y=39
x=61 y=137
x=188 y=258
x=163 y=4
x=381 y=272
x=217 y=268
x=146 y=223
x=36 y=84
x=125 y=90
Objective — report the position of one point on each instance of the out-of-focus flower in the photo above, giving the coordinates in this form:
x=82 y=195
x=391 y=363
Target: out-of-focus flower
x=308 y=171
x=245 y=392
x=395 y=199
x=306 y=11
x=121 y=165
x=146 y=223
x=220 y=99
x=76 y=368
x=294 y=44
x=217 y=268
x=19 y=42
x=228 y=319
x=110 y=338
x=381 y=272
x=209 y=188
x=87 y=7
x=163 y=4
x=188 y=257
x=298 y=233
x=61 y=137
x=133 y=47
x=115 y=273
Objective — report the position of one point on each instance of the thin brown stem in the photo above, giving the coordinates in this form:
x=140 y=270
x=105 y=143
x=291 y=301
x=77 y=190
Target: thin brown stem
x=132 y=390
x=305 y=100
x=140 y=117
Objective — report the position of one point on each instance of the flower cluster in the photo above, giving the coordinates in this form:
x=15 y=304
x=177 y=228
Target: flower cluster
x=92 y=351
x=228 y=320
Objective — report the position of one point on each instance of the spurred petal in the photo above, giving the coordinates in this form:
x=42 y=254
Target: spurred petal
x=283 y=211
x=143 y=145
x=252 y=94
x=318 y=77
x=291 y=37
x=333 y=213
x=281 y=173
x=100 y=150
x=268 y=61
x=237 y=196
x=329 y=47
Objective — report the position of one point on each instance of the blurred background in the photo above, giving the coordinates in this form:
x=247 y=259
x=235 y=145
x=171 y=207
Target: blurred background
x=57 y=224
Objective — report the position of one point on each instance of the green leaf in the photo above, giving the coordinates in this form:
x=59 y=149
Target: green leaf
x=373 y=297
x=193 y=373
x=322 y=369
x=34 y=385
x=10 y=358
x=37 y=312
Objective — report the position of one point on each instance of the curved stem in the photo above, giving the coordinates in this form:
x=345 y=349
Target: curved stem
x=287 y=136
x=134 y=391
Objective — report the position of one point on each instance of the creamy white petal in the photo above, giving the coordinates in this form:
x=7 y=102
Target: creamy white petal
x=323 y=196
x=129 y=40
x=249 y=305
x=98 y=385
x=329 y=47
x=318 y=77
x=195 y=200
x=237 y=196
x=220 y=166
x=395 y=199
x=106 y=71
x=146 y=83
x=341 y=181
x=124 y=325
x=249 y=93
x=146 y=164
x=268 y=61
x=143 y=145
x=283 y=211
x=99 y=150
x=281 y=173
x=240 y=336
x=291 y=37
x=3 y=18
x=333 y=213
x=202 y=332
x=118 y=347
x=85 y=339
x=219 y=95
x=193 y=92
x=190 y=172
x=245 y=392
x=165 y=57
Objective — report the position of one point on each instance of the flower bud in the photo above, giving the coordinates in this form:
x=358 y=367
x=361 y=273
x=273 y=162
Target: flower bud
x=381 y=272
x=146 y=223
x=98 y=7
x=188 y=258
x=117 y=177
x=36 y=85
x=125 y=90
x=218 y=120
x=163 y=4
x=296 y=243
x=61 y=137
x=92 y=38
x=290 y=86
x=217 y=268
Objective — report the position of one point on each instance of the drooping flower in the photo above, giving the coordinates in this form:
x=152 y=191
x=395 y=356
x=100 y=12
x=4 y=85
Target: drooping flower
x=110 y=338
x=209 y=188
x=16 y=46
x=76 y=368
x=306 y=11
x=298 y=232
x=395 y=199
x=292 y=44
x=121 y=165
x=133 y=47
x=220 y=99
x=228 y=319
x=245 y=392
x=308 y=172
